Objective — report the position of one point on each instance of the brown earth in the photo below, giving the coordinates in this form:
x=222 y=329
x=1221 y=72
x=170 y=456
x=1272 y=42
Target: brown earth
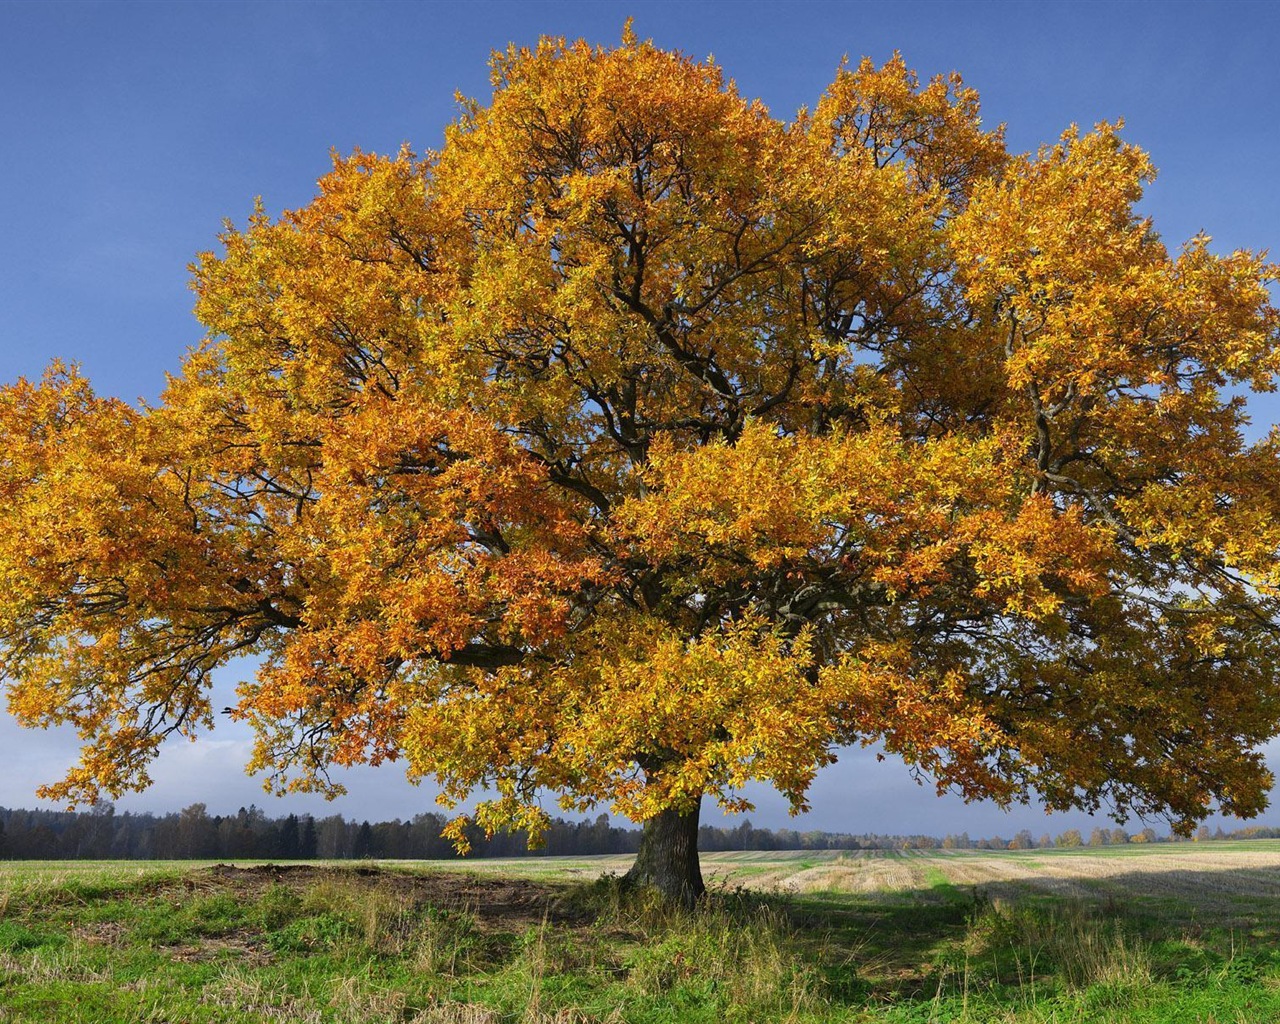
x=507 y=904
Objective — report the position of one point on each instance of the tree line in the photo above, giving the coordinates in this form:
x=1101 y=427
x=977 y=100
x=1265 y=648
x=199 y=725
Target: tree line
x=101 y=834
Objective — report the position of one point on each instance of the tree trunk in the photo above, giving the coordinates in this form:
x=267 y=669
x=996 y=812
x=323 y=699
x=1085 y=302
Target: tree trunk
x=668 y=857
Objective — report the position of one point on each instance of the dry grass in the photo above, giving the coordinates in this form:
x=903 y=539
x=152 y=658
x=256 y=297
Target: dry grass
x=1079 y=947
x=861 y=875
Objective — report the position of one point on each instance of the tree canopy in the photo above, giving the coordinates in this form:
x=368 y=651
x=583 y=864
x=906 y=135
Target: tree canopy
x=638 y=445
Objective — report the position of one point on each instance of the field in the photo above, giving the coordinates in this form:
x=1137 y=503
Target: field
x=1166 y=933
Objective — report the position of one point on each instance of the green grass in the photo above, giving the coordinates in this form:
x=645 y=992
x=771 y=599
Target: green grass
x=1167 y=934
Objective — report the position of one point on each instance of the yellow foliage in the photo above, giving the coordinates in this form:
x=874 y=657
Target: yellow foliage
x=639 y=445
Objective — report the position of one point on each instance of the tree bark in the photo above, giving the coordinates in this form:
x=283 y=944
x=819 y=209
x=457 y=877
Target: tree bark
x=668 y=857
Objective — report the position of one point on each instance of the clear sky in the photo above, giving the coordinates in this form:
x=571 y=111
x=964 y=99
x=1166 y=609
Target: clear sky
x=131 y=130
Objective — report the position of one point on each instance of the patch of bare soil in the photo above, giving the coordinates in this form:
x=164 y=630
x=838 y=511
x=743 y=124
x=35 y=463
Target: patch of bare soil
x=243 y=950
x=101 y=933
x=506 y=904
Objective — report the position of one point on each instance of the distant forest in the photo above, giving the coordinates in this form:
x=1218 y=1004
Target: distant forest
x=102 y=834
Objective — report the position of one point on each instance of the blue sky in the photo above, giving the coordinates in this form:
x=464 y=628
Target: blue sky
x=130 y=130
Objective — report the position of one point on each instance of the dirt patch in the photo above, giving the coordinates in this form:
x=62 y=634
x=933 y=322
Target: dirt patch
x=243 y=950
x=496 y=903
x=101 y=933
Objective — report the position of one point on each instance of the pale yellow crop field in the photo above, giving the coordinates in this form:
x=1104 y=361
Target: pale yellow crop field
x=1249 y=869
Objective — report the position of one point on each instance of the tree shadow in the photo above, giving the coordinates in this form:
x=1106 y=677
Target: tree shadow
x=930 y=942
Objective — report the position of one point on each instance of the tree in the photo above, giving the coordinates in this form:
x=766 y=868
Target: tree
x=333 y=838
x=288 y=839
x=308 y=841
x=638 y=445
x=364 y=845
x=195 y=833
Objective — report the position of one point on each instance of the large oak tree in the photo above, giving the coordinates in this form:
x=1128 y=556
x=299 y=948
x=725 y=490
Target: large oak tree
x=638 y=445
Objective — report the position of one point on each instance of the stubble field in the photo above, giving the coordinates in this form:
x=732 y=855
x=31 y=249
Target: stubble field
x=1164 y=933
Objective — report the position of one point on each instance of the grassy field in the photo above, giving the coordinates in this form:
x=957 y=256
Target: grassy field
x=1168 y=933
